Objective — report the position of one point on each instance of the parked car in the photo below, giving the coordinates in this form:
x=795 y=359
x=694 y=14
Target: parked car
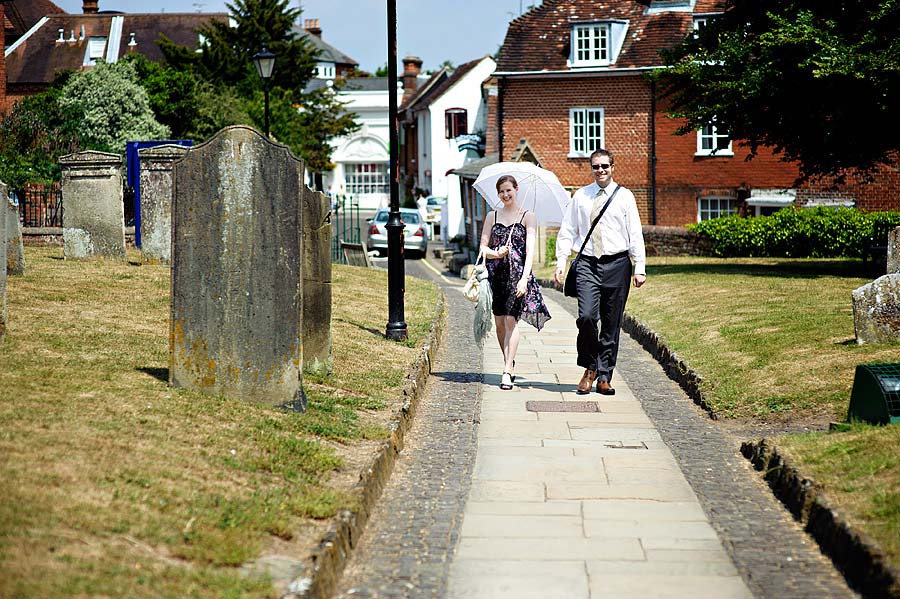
x=433 y=205
x=415 y=234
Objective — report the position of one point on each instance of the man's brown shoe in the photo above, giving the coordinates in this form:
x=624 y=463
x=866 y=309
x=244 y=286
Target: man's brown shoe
x=587 y=381
x=604 y=389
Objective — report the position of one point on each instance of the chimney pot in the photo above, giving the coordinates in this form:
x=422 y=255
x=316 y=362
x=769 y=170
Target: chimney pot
x=89 y=7
x=312 y=27
x=412 y=66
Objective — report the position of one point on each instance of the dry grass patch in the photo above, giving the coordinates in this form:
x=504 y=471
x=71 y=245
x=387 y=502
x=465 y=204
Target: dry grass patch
x=115 y=484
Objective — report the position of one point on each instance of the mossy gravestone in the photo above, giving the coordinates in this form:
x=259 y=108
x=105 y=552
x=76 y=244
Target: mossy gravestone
x=876 y=305
x=156 y=200
x=15 y=252
x=93 y=213
x=236 y=294
x=316 y=282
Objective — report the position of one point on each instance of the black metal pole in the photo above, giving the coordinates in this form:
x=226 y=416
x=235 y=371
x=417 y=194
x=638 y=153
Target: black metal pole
x=396 y=326
x=266 y=110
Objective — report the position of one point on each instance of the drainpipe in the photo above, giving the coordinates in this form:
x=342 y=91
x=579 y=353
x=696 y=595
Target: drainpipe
x=653 y=152
x=500 y=86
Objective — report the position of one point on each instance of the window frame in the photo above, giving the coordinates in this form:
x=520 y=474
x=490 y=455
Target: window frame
x=719 y=212
x=361 y=182
x=455 y=126
x=714 y=136
x=599 y=42
x=584 y=111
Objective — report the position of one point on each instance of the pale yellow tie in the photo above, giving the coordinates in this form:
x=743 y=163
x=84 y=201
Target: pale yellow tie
x=596 y=236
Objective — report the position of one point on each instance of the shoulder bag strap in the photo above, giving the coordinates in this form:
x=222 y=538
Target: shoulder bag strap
x=597 y=220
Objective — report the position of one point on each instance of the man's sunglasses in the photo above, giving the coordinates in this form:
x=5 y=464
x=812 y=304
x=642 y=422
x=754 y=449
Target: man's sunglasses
x=597 y=167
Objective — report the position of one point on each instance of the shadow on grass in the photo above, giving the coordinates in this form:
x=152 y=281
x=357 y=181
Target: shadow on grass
x=161 y=374
x=364 y=328
x=769 y=267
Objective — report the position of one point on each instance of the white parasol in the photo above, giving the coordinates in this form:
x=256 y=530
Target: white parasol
x=539 y=189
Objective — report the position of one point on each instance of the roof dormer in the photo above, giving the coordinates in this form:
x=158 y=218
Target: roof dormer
x=596 y=43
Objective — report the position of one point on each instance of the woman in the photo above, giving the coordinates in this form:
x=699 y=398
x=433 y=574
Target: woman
x=507 y=241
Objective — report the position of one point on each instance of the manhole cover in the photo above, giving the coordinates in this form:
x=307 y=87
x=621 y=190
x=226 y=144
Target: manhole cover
x=562 y=406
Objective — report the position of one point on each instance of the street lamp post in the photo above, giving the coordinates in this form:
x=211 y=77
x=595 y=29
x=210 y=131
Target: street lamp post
x=396 y=326
x=264 y=61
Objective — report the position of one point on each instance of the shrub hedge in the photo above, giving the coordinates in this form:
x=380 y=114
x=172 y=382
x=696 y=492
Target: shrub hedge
x=796 y=233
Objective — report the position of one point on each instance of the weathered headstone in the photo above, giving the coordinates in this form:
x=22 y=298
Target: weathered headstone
x=236 y=298
x=4 y=193
x=94 y=216
x=15 y=251
x=156 y=200
x=876 y=310
x=316 y=282
x=893 y=251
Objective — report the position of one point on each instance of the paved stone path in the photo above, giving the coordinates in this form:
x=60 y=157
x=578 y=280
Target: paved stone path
x=647 y=498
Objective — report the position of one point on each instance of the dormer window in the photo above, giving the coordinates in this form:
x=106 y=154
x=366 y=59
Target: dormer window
x=96 y=46
x=325 y=70
x=596 y=44
x=702 y=20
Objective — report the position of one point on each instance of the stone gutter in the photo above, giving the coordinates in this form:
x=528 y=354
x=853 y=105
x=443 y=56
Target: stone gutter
x=321 y=572
x=858 y=558
x=861 y=561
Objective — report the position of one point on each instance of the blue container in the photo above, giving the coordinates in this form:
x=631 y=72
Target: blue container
x=133 y=173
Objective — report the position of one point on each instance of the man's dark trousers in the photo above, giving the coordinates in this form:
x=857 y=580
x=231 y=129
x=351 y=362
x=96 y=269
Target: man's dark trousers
x=602 y=285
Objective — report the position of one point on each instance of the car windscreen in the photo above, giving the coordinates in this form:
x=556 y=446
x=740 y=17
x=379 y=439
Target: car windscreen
x=381 y=217
x=410 y=218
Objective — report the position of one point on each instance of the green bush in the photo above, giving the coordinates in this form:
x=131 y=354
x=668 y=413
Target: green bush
x=550 y=254
x=796 y=233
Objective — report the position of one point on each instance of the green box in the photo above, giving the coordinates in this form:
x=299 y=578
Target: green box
x=875 y=397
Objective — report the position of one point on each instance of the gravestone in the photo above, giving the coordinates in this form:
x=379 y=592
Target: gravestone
x=94 y=216
x=876 y=305
x=236 y=294
x=317 y=356
x=4 y=193
x=156 y=200
x=893 y=251
x=15 y=251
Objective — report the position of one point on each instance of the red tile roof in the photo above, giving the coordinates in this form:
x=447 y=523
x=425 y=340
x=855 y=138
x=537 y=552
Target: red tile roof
x=40 y=56
x=424 y=99
x=540 y=39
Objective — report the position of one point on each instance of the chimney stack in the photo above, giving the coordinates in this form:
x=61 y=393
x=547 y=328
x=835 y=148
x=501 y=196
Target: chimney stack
x=312 y=27
x=89 y=7
x=412 y=66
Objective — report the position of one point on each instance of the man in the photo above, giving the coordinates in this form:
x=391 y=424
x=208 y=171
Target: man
x=603 y=274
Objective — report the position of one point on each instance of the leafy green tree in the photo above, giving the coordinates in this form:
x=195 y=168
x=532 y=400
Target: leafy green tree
x=174 y=95
x=111 y=107
x=819 y=82
x=305 y=121
x=35 y=133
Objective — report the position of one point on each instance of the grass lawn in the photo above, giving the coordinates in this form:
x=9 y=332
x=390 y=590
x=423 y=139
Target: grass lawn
x=772 y=338
x=115 y=484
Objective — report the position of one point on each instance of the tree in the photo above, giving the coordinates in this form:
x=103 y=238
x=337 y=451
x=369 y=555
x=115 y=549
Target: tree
x=111 y=107
x=225 y=63
x=818 y=82
x=33 y=136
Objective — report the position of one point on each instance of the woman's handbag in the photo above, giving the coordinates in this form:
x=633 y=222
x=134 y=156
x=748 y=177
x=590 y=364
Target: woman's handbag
x=570 y=289
x=471 y=288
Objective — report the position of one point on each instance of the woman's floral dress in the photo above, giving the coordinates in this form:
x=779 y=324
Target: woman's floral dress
x=505 y=273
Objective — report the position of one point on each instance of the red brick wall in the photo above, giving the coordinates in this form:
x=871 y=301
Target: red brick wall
x=538 y=110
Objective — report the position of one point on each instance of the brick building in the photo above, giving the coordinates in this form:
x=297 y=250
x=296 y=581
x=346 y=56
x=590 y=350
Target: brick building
x=571 y=77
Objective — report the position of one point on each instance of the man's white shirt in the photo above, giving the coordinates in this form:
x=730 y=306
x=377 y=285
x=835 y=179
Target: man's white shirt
x=620 y=226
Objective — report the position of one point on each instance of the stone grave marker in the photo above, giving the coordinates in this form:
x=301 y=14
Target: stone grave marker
x=893 y=251
x=15 y=251
x=236 y=294
x=317 y=356
x=156 y=200
x=93 y=217
x=876 y=305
